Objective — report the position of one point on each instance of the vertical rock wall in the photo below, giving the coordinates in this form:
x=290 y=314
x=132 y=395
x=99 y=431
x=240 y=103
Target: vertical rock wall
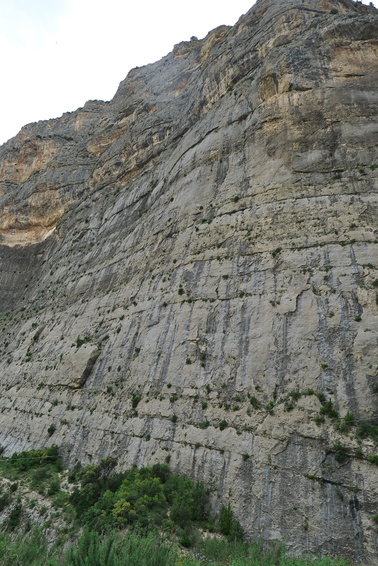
x=188 y=273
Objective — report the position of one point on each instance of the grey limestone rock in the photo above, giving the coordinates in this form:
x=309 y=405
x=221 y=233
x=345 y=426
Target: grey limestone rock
x=191 y=270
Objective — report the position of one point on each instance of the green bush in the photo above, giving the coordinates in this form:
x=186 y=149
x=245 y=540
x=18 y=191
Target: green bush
x=295 y=395
x=228 y=525
x=345 y=424
x=5 y=500
x=54 y=486
x=328 y=410
x=138 y=498
x=358 y=453
x=366 y=430
x=74 y=474
x=254 y=402
x=341 y=452
x=14 y=516
x=30 y=459
x=135 y=401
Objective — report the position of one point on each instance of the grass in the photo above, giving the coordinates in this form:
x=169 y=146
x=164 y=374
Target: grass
x=131 y=549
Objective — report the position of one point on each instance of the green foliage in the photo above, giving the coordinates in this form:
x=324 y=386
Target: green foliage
x=5 y=500
x=218 y=550
x=135 y=401
x=223 y=424
x=295 y=395
x=328 y=410
x=40 y=468
x=346 y=423
x=26 y=549
x=366 y=430
x=341 y=452
x=51 y=430
x=373 y=459
x=228 y=525
x=74 y=474
x=81 y=341
x=148 y=502
x=128 y=548
x=53 y=486
x=186 y=539
x=358 y=453
x=29 y=459
x=113 y=550
x=141 y=499
x=14 y=516
x=321 y=397
x=349 y=419
x=91 y=549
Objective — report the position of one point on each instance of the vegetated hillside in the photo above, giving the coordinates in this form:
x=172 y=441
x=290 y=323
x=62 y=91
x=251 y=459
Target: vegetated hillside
x=189 y=272
x=98 y=517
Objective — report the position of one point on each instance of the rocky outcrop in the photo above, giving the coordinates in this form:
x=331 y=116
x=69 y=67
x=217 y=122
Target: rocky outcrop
x=188 y=273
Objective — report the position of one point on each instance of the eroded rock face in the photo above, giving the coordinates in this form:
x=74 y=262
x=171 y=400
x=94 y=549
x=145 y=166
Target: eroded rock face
x=190 y=271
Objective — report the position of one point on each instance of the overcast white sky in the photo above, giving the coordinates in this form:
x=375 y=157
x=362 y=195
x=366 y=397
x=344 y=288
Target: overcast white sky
x=56 y=54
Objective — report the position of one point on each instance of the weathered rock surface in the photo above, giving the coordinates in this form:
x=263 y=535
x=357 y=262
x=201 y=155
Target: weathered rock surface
x=180 y=264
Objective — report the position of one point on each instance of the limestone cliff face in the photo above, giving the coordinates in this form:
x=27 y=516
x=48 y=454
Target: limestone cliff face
x=189 y=271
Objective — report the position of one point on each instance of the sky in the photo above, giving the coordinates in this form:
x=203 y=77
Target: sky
x=57 y=54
